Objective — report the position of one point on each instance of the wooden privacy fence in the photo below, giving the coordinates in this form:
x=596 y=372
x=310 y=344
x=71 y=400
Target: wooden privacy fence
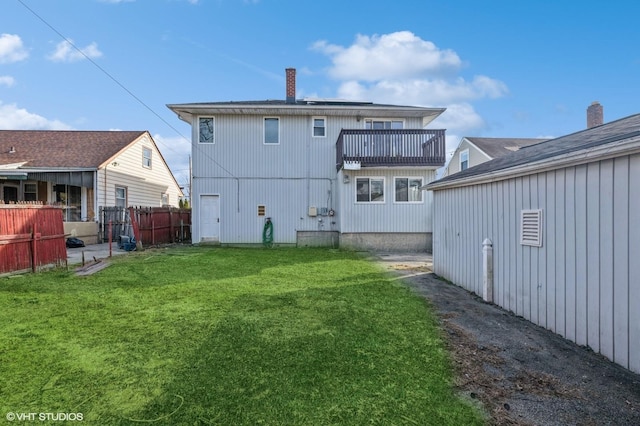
x=155 y=225
x=31 y=237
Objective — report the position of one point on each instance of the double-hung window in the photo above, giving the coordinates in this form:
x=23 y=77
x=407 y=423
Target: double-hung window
x=464 y=159
x=206 y=130
x=370 y=190
x=146 y=157
x=319 y=127
x=271 y=130
x=408 y=190
x=121 y=196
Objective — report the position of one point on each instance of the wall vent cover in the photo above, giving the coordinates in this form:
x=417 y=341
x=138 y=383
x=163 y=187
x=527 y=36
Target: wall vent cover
x=531 y=228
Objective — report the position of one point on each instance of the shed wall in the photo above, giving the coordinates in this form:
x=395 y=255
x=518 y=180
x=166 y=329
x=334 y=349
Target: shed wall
x=583 y=283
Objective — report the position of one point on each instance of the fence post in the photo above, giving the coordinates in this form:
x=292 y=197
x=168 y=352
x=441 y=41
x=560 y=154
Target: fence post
x=34 y=255
x=110 y=237
x=487 y=270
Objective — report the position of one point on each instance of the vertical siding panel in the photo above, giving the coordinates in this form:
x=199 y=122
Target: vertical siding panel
x=511 y=230
x=621 y=260
x=520 y=296
x=581 y=254
x=542 y=257
x=534 y=286
x=560 y=252
x=634 y=264
x=570 y=250
x=593 y=256
x=527 y=255
x=550 y=238
x=606 y=258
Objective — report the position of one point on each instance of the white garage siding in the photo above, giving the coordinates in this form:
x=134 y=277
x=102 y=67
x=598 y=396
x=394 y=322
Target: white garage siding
x=584 y=282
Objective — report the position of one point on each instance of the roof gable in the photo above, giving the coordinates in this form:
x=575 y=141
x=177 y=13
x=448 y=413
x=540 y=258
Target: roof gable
x=499 y=147
x=61 y=148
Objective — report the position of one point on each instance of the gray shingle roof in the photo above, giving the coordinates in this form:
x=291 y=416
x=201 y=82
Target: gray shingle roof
x=614 y=131
x=499 y=147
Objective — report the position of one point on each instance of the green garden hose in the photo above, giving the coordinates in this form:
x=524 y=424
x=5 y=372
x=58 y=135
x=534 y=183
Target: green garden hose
x=267 y=233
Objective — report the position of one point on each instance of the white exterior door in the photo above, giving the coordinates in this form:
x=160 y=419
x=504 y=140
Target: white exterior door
x=209 y=218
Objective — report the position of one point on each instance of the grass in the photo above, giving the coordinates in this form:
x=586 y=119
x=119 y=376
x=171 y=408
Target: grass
x=228 y=337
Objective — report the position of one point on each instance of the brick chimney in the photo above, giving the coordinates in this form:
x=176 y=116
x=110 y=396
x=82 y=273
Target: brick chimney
x=291 y=85
x=595 y=115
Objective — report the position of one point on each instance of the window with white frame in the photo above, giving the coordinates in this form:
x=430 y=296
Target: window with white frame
x=206 y=129
x=464 y=159
x=319 y=127
x=121 y=196
x=370 y=190
x=271 y=130
x=383 y=124
x=407 y=190
x=146 y=157
x=165 y=199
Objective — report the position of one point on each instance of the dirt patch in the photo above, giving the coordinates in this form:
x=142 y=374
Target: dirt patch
x=520 y=373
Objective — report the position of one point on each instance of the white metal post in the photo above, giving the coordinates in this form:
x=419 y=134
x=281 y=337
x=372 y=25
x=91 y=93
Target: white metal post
x=487 y=270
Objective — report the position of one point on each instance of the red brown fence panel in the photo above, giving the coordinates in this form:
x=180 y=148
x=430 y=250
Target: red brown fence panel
x=31 y=238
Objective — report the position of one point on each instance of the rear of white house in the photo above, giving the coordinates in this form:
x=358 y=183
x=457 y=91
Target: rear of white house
x=324 y=171
x=563 y=217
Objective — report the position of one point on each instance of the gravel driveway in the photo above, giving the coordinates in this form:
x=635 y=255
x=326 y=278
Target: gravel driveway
x=519 y=372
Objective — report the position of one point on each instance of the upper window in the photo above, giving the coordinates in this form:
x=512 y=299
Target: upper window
x=164 y=199
x=146 y=157
x=383 y=124
x=319 y=127
x=206 y=127
x=408 y=190
x=464 y=159
x=370 y=190
x=271 y=130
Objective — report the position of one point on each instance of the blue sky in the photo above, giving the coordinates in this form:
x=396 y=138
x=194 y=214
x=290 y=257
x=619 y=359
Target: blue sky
x=501 y=68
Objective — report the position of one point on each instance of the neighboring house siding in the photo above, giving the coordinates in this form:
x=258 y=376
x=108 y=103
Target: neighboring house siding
x=145 y=186
x=582 y=283
x=475 y=157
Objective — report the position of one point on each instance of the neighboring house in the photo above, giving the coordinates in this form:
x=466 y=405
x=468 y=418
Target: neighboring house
x=82 y=171
x=326 y=172
x=472 y=151
x=564 y=220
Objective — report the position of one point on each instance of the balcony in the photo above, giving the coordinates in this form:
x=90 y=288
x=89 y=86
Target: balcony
x=390 y=148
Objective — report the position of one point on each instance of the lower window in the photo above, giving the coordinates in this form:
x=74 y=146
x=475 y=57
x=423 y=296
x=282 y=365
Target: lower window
x=370 y=190
x=408 y=190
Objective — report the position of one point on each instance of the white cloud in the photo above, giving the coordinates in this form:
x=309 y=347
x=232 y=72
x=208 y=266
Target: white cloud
x=403 y=69
x=396 y=55
x=7 y=80
x=14 y=118
x=66 y=52
x=11 y=49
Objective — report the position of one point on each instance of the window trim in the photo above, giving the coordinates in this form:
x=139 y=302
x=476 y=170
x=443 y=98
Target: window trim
x=126 y=195
x=25 y=192
x=213 y=130
x=324 y=126
x=384 y=120
x=145 y=159
x=264 y=130
x=409 y=178
x=464 y=151
x=382 y=178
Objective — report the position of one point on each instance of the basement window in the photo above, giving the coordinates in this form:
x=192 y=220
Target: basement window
x=531 y=228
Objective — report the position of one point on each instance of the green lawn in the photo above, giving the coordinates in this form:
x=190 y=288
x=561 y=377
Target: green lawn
x=224 y=336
